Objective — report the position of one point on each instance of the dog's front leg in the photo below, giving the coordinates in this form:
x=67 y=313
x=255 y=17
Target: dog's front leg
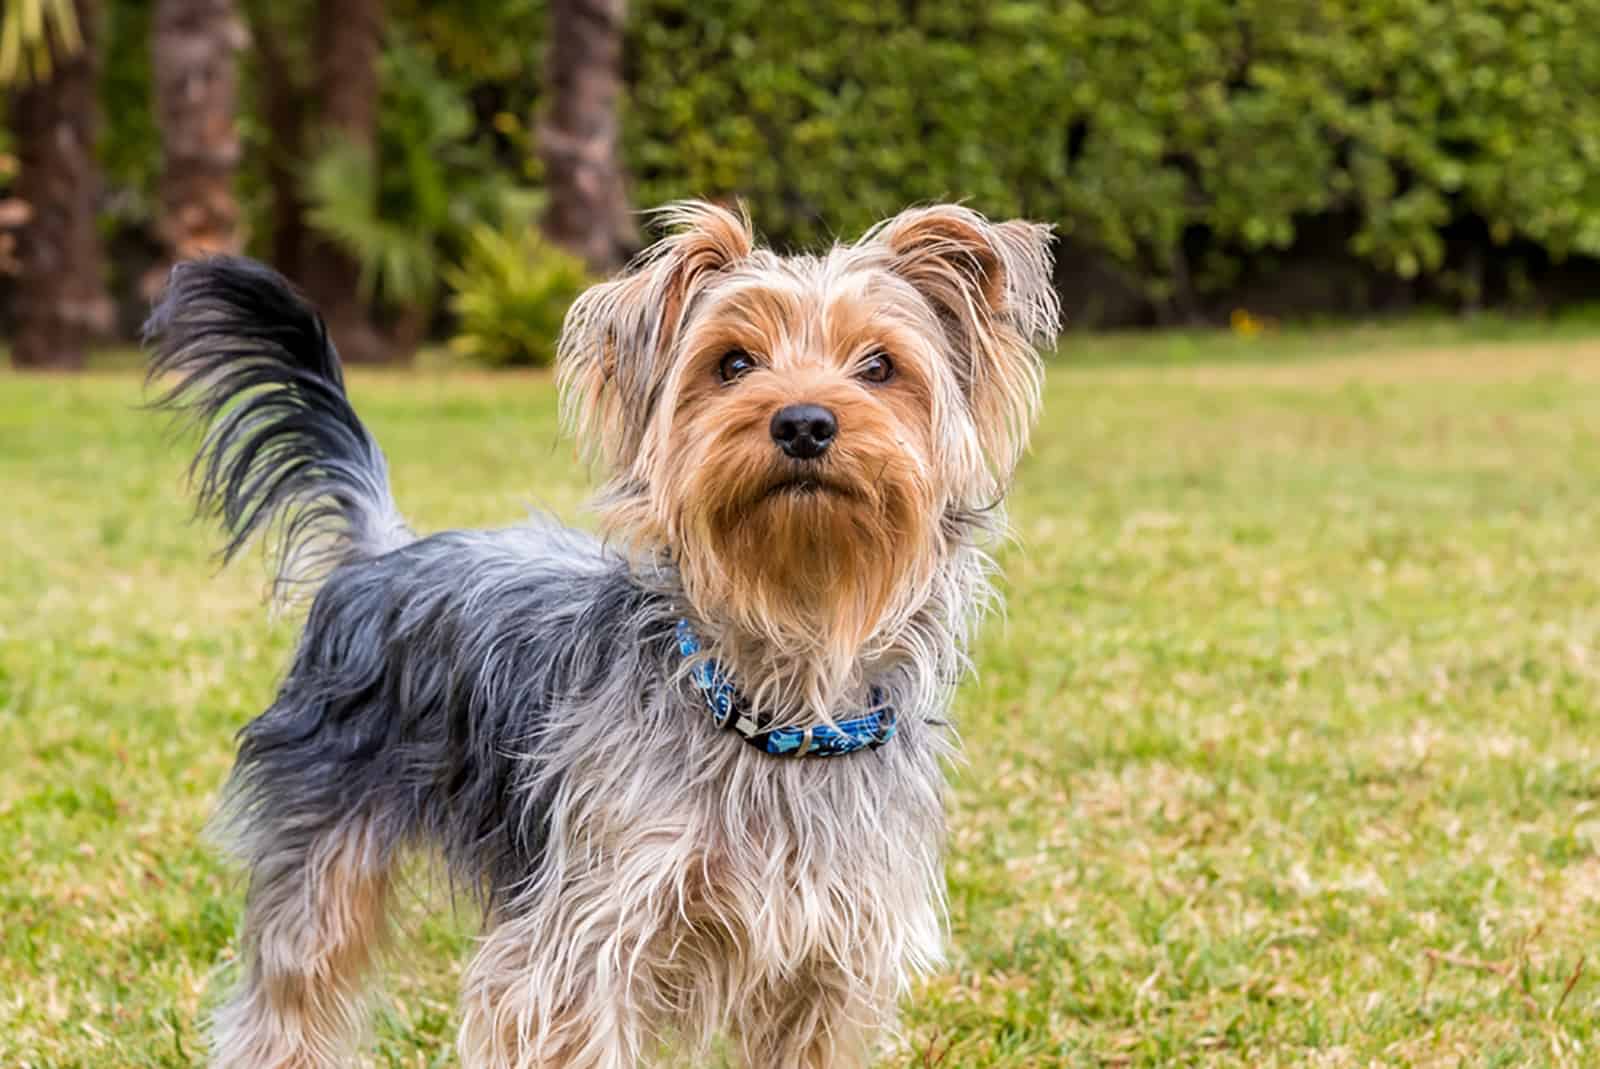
x=818 y=1018
x=557 y=988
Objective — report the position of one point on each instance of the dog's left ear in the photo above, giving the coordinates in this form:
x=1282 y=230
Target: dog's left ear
x=619 y=337
x=992 y=286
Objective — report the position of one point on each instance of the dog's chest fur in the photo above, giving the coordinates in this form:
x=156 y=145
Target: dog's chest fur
x=714 y=884
x=791 y=859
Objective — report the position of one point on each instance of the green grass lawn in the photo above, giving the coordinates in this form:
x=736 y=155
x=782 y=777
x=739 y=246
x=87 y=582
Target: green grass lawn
x=1287 y=752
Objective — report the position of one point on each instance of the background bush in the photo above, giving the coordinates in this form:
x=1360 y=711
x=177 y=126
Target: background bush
x=511 y=293
x=1293 y=157
x=1324 y=155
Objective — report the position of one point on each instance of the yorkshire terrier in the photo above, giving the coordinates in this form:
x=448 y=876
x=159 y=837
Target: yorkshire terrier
x=692 y=769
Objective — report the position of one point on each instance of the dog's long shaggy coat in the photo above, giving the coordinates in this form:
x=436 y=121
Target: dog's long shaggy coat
x=514 y=701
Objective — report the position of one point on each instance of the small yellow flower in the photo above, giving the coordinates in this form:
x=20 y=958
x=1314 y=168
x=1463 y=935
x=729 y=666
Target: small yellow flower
x=1245 y=324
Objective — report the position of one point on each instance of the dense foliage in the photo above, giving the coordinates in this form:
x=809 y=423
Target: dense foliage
x=512 y=290
x=404 y=214
x=1183 y=141
x=1197 y=156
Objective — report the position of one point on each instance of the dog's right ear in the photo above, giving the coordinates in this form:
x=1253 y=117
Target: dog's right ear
x=617 y=343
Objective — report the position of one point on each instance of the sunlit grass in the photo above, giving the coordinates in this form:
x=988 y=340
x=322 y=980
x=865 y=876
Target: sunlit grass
x=1287 y=752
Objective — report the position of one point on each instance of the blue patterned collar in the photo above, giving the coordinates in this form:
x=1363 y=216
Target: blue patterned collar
x=729 y=711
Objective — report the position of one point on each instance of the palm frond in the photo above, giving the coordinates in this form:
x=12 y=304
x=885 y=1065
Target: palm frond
x=32 y=34
x=399 y=260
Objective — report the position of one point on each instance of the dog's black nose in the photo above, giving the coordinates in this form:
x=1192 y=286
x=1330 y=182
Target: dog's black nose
x=804 y=431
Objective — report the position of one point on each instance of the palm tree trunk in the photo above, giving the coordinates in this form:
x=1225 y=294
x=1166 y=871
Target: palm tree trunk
x=349 y=40
x=60 y=300
x=284 y=109
x=578 y=139
x=193 y=48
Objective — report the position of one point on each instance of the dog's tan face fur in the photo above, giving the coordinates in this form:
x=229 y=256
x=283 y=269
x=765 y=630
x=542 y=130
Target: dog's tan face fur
x=919 y=339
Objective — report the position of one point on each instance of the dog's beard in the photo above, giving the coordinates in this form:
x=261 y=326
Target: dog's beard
x=810 y=561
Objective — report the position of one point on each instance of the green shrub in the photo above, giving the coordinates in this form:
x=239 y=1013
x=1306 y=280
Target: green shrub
x=1182 y=139
x=512 y=291
x=1185 y=148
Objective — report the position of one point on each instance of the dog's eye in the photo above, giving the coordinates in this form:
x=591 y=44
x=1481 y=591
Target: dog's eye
x=736 y=363
x=877 y=368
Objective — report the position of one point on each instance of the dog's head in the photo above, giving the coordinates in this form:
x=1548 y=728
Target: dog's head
x=809 y=437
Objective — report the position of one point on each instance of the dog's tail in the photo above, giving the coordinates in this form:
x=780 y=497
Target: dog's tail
x=284 y=452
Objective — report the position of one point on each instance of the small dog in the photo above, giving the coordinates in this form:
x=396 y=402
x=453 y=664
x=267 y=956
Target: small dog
x=692 y=772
